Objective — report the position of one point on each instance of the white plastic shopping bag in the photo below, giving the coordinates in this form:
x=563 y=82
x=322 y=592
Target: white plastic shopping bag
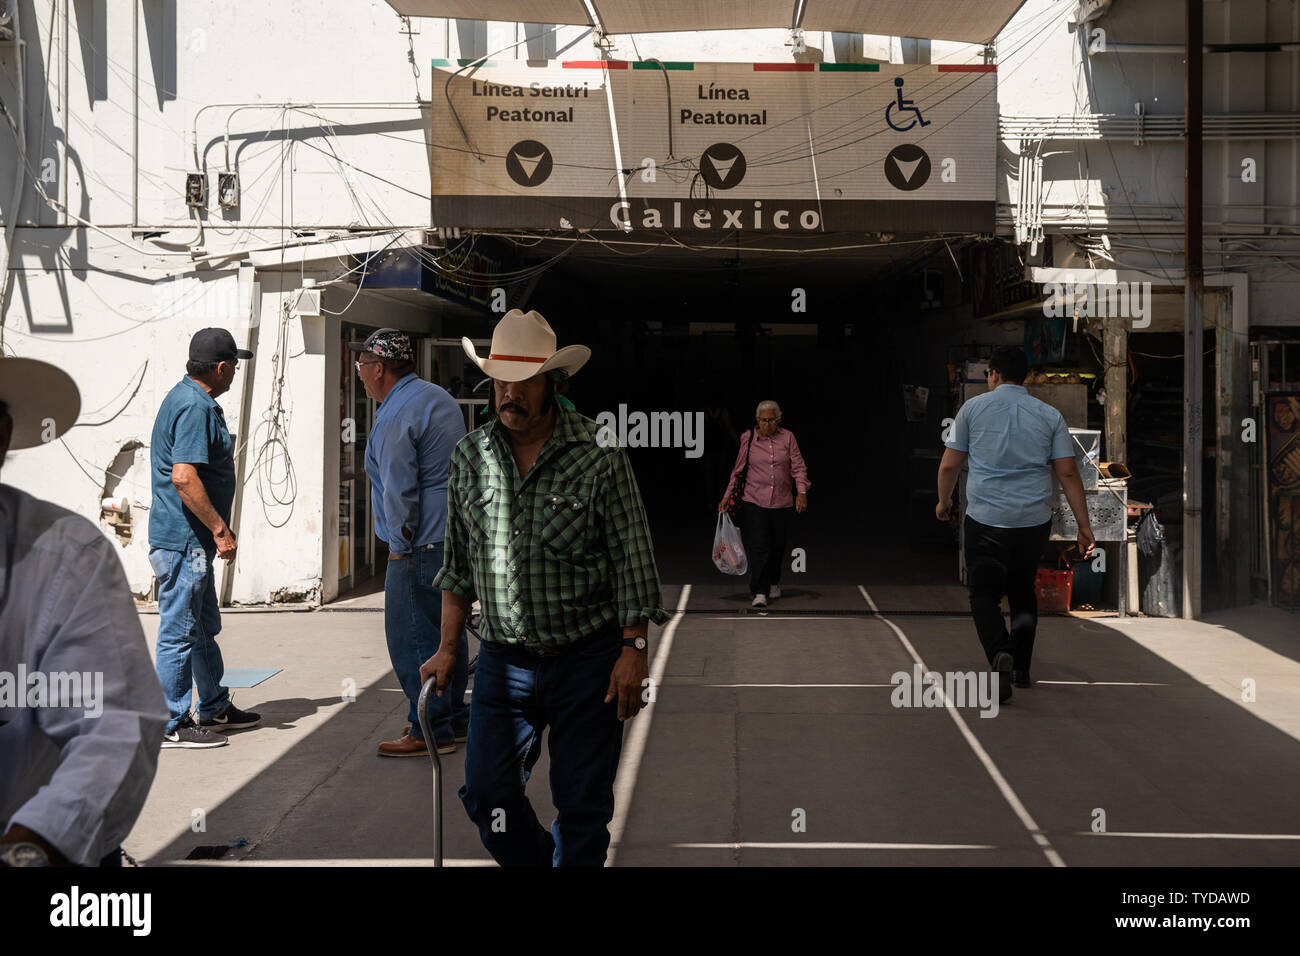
x=728 y=549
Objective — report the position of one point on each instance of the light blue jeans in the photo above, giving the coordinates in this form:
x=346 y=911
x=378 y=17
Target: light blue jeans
x=189 y=620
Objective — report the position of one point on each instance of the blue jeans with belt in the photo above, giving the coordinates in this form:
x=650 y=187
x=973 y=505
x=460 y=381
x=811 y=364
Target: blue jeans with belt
x=517 y=695
x=189 y=620
x=413 y=626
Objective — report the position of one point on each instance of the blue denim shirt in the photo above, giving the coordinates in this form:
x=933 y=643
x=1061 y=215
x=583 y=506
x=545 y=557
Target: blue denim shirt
x=407 y=458
x=1010 y=439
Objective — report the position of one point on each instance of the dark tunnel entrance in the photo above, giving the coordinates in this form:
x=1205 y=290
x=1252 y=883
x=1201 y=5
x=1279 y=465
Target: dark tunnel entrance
x=834 y=338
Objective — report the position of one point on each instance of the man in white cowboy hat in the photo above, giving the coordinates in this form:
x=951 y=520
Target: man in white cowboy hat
x=408 y=452
x=81 y=711
x=545 y=527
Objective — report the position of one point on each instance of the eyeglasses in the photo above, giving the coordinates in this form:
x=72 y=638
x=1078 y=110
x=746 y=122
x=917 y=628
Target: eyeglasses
x=766 y=420
x=360 y=363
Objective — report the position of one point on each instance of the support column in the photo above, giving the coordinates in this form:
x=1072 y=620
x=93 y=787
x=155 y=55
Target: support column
x=1115 y=351
x=1232 y=464
x=1193 y=382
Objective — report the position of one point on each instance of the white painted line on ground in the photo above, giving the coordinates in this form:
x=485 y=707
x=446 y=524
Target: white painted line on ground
x=1102 y=683
x=634 y=745
x=766 y=617
x=378 y=861
x=794 y=685
x=1199 y=836
x=1003 y=786
x=833 y=846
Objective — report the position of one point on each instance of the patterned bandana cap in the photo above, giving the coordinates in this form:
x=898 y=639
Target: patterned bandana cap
x=387 y=343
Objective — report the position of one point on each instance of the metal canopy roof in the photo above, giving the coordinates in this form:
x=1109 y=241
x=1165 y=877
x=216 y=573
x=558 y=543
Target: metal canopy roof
x=973 y=21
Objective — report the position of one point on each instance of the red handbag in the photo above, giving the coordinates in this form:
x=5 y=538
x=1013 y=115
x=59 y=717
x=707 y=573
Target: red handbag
x=1053 y=586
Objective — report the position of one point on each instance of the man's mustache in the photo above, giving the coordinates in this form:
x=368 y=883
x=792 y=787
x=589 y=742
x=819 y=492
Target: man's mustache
x=512 y=407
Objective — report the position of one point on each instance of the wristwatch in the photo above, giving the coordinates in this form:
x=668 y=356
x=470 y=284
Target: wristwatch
x=23 y=854
x=638 y=642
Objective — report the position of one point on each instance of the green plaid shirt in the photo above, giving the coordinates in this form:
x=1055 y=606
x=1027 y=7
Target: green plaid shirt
x=556 y=555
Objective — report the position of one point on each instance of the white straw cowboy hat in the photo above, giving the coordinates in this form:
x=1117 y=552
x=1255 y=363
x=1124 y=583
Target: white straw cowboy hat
x=523 y=345
x=38 y=395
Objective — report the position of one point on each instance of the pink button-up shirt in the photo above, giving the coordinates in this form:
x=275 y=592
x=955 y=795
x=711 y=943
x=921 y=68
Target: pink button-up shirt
x=774 y=465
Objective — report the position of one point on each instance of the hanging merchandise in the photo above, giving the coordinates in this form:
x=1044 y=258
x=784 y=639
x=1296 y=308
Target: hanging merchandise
x=915 y=400
x=1284 y=496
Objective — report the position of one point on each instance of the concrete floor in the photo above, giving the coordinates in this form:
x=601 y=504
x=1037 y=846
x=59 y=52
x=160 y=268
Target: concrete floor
x=1140 y=719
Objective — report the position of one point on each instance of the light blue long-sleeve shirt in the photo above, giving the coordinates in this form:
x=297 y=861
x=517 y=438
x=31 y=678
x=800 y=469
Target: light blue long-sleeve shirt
x=408 y=455
x=77 y=775
x=1010 y=439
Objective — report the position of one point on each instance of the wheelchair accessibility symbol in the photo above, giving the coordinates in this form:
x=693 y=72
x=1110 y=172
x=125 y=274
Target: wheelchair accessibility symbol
x=900 y=107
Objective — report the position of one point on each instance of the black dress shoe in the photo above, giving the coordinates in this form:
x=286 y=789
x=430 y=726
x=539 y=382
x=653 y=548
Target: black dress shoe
x=1020 y=678
x=1002 y=666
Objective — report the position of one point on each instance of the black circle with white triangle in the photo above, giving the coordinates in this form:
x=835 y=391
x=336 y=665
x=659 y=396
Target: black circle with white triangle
x=722 y=166
x=907 y=167
x=529 y=163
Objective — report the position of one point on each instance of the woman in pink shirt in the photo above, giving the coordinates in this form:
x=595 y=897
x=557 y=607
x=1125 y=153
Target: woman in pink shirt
x=773 y=466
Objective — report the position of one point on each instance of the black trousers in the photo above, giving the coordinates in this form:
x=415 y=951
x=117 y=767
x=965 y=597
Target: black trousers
x=764 y=532
x=1003 y=561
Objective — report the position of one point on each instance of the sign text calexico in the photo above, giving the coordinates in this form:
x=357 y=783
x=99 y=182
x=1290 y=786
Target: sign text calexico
x=720 y=146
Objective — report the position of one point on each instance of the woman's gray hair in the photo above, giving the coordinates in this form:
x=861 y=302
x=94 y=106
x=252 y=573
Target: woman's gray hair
x=767 y=404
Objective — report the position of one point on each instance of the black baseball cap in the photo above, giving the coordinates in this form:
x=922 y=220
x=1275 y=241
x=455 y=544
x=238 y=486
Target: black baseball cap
x=216 y=345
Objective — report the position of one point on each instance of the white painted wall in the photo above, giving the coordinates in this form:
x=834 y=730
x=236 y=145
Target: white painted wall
x=1134 y=193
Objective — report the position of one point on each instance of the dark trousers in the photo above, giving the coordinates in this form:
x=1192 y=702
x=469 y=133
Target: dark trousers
x=764 y=532
x=517 y=695
x=1004 y=561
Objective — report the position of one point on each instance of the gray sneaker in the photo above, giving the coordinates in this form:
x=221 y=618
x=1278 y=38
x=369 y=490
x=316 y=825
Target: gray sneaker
x=189 y=735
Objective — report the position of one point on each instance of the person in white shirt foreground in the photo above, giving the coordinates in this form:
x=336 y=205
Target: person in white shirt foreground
x=81 y=710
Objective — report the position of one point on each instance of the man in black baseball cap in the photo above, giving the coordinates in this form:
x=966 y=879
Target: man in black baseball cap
x=211 y=346
x=193 y=471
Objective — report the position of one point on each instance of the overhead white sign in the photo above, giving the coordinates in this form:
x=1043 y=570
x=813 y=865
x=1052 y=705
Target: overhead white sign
x=642 y=147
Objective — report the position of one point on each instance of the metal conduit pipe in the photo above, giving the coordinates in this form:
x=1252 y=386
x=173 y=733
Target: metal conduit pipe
x=20 y=166
x=1148 y=126
x=1109 y=47
x=194 y=127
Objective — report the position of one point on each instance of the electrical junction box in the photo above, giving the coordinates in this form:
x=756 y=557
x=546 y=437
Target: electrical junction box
x=307 y=302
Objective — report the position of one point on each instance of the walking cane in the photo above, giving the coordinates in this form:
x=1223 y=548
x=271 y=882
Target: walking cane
x=422 y=710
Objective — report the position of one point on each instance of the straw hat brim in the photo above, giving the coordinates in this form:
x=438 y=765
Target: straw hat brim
x=37 y=394
x=568 y=359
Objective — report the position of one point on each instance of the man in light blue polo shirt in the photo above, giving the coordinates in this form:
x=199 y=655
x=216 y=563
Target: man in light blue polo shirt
x=1013 y=444
x=408 y=455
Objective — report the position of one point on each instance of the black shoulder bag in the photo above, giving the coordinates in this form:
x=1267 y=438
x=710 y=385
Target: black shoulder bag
x=738 y=486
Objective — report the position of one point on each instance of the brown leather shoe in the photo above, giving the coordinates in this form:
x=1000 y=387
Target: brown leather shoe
x=404 y=746
x=460 y=739
x=408 y=746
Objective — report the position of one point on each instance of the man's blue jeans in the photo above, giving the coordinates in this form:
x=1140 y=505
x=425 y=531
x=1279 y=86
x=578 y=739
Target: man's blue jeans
x=516 y=696
x=189 y=620
x=413 y=625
